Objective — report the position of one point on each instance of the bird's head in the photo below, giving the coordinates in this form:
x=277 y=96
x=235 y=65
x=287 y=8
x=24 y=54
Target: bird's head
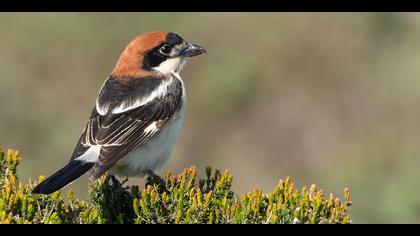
x=154 y=53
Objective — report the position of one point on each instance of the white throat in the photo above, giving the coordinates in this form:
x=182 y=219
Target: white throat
x=171 y=66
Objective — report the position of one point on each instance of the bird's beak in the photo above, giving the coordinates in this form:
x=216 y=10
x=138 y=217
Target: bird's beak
x=192 y=50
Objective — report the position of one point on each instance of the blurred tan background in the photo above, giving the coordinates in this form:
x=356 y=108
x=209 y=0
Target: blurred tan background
x=331 y=99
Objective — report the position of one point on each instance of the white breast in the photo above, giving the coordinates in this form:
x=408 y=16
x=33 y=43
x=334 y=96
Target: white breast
x=154 y=154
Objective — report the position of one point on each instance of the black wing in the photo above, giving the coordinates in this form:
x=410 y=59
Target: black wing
x=120 y=133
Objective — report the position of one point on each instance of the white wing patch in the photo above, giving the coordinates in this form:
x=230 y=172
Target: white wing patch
x=159 y=92
x=172 y=66
x=151 y=128
x=102 y=110
x=91 y=155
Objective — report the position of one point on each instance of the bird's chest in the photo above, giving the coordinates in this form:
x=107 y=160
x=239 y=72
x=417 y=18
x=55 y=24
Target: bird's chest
x=153 y=154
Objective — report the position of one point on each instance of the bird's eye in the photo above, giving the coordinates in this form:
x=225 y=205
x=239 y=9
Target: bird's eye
x=166 y=49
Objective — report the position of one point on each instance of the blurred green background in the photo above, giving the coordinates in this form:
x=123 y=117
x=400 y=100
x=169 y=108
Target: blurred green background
x=326 y=98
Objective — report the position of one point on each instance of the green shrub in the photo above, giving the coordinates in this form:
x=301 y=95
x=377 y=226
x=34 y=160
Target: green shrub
x=179 y=199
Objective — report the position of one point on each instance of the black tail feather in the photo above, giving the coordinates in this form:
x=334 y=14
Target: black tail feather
x=61 y=178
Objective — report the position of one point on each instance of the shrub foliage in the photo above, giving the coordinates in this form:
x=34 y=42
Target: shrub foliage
x=175 y=199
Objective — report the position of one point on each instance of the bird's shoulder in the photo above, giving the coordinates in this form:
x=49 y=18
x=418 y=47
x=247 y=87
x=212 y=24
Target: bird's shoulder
x=127 y=115
x=119 y=95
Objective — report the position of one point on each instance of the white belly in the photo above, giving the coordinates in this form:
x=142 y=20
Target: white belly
x=154 y=153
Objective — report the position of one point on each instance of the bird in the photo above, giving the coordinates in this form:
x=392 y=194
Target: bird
x=137 y=116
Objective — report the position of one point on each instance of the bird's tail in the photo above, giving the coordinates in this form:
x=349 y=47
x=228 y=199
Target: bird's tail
x=64 y=176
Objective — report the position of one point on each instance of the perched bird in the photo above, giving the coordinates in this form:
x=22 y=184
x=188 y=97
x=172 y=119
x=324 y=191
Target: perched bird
x=137 y=116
